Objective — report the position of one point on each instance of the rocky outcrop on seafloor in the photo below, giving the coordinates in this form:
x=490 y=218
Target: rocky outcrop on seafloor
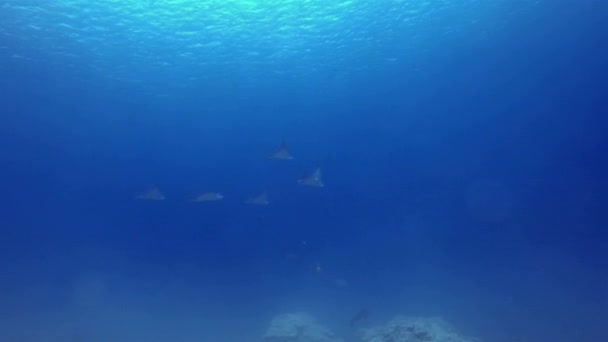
x=411 y=329
x=298 y=327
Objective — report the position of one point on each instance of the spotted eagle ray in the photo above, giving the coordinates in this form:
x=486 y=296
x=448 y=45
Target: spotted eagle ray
x=313 y=179
x=361 y=315
x=208 y=197
x=282 y=153
x=153 y=194
x=261 y=199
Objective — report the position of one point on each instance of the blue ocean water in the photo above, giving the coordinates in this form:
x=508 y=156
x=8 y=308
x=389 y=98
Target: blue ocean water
x=462 y=146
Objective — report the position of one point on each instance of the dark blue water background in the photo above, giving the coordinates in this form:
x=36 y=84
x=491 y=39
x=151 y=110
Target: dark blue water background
x=462 y=143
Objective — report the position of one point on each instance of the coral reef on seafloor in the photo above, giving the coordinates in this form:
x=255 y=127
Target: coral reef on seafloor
x=412 y=329
x=298 y=327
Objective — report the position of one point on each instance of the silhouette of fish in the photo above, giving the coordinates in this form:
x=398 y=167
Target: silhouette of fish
x=361 y=315
x=261 y=199
x=154 y=194
x=313 y=179
x=209 y=197
x=282 y=153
